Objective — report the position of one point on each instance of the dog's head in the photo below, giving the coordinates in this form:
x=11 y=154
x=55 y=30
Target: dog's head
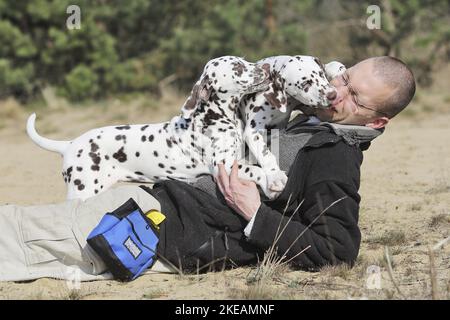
x=306 y=81
x=226 y=80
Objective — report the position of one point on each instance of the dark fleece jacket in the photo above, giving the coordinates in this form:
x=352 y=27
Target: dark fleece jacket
x=200 y=230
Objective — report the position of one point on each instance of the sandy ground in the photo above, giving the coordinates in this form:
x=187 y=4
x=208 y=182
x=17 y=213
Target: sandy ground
x=405 y=206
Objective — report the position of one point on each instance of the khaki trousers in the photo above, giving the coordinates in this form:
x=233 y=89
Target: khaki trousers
x=50 y=240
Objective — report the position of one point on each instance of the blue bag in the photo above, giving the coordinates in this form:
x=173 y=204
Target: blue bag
x=126 y=240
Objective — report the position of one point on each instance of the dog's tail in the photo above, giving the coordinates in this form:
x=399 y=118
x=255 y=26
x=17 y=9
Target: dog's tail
x=50 y=145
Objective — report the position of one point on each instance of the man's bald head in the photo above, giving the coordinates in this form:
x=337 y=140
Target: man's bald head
x=396 y=74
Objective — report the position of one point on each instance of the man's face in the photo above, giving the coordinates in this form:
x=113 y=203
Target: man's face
x=358 y=91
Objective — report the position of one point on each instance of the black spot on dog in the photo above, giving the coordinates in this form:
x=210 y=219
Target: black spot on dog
x=69 y=174
x=126 y=127
x=144 y=127
x=155 y=153
x=144 y=138
x=137 y=154
x=238 y=68
x=211 y=117
x=151 y=138
x=139 y=173
x=79 y=169
x=95 y=181
x=161 y=165
x=120 y=155
x=253 y=123
x=81 y=187
x=76 y=182
x=169 y=143
x=95 y=158
x=306 y=85
x=94 y=147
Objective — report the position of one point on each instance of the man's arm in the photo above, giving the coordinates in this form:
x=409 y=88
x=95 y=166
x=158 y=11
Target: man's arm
x=333 y=235
x=329 y=227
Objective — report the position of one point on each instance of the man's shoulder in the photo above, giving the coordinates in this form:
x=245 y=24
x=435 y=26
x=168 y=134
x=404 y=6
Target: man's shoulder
x=333 y=159
x=328 y=146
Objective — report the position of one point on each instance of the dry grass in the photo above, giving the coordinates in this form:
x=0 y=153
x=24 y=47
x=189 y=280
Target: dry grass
x=441 y=185
x=275 y=264
x=388 y=238
x=10 y=109
x=154 y=294
x=440 y=220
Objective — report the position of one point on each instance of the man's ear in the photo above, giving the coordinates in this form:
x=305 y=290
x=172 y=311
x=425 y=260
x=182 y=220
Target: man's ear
x=276 y=94
x=378 y=123
x=200 y=93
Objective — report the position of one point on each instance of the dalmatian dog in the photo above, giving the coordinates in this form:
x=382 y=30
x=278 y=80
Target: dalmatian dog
x=190 y=145
x=297 y=82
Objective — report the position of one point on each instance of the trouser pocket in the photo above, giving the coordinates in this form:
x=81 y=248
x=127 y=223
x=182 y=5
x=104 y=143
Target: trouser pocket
x=48 y=236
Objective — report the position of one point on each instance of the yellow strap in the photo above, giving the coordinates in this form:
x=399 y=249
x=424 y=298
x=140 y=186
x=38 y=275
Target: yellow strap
x=155 y=217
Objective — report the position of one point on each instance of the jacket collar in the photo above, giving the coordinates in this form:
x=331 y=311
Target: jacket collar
x=351 y=134
x=354 y=135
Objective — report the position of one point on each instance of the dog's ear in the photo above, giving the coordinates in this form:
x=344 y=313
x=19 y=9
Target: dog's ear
x=200 y=93
x=334 y=69
x=275 y=94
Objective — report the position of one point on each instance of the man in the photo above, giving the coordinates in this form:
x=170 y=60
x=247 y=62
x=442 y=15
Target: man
x=314 y=221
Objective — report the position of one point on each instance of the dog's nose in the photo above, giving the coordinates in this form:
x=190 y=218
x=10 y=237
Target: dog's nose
x=331 y=95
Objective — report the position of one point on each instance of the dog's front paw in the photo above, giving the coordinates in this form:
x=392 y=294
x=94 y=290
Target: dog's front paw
x=276 y=182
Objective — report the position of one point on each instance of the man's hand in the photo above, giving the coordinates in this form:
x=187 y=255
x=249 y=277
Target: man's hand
x=240 y=195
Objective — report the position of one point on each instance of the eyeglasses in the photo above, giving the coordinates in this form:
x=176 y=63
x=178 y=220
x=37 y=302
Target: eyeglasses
x=346 y=79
